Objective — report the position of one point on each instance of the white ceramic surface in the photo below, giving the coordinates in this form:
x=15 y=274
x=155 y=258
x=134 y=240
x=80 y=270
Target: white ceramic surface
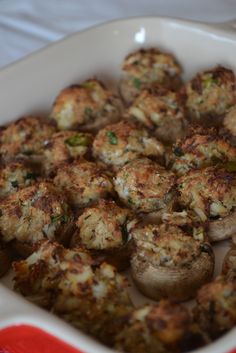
x=31 y=85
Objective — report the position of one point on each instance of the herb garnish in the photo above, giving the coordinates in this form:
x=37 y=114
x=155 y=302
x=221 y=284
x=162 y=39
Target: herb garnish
x=125 y=233
x=136 y=82
x=60 y=218
x=88 y=111
x=112 y=138
x=78 y=140
x=31 y=176
x=14 y=183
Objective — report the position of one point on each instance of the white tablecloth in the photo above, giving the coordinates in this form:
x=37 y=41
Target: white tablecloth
x=28 y=25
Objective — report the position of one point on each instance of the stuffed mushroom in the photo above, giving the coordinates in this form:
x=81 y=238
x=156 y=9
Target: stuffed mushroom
x=25 y=137
x=162 y=327
x=67 y=282
x=102 y=229
x=162 y=111
x=34 y=213
x=211 y=194
x=144 y=185
x=64 y=147
x=202 y=148
x=88 y=106
x=120 y=143
x=146 y=67
x=15 y=176
x=36 y=277
x=167 y=262
x=94 y=300
x=209 y=95
x=216 y=306
x=84 y=182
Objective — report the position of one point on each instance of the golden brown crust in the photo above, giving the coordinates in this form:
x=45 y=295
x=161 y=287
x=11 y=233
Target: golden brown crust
x=216 y=306
x=146 y=67
x=84 y=182
x=103 y=226
x=162 y=111
x=37 y=275
x=144 y=186
x=210 y=94
x=14 y=176
x=210 y=192
x=102 y=229
x=229 y=121
x=161 y=327
x=33 y=213
x=92 y=304
x=25 y=136
x=86 y=296
x=89 y=106
x=120 y=143
x=63 y=147
x=202 y=148
x=165 y=245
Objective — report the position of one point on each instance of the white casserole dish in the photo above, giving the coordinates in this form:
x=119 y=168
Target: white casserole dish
x=30 y=86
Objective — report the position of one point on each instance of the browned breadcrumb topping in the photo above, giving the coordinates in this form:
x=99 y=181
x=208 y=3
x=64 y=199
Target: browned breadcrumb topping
x=65 y=281
x=216 y=306
x=210 y=94
x=84 y=182
x=33 y=213
x=25 y=136
x=144 y=185
x=160 y=327
x=202 y=148
x=120 y=143
x=209 y=192
x=89 y=105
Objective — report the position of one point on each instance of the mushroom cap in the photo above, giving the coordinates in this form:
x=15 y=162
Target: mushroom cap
x=177 y=283
x=169 y=263
x=222 y=228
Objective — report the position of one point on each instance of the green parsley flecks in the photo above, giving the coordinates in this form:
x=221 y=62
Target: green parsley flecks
x=60 y=218
x=78 y=140
x=137 y=83
x=30 y=176
x=14 y=184
x=125 y=233
x=88 y=111
x=113 y=140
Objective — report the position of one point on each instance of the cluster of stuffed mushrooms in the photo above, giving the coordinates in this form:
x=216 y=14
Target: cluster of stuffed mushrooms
x=144 y=179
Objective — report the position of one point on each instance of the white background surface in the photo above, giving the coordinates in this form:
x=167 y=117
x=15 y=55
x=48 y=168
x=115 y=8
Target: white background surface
x=28 y=25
